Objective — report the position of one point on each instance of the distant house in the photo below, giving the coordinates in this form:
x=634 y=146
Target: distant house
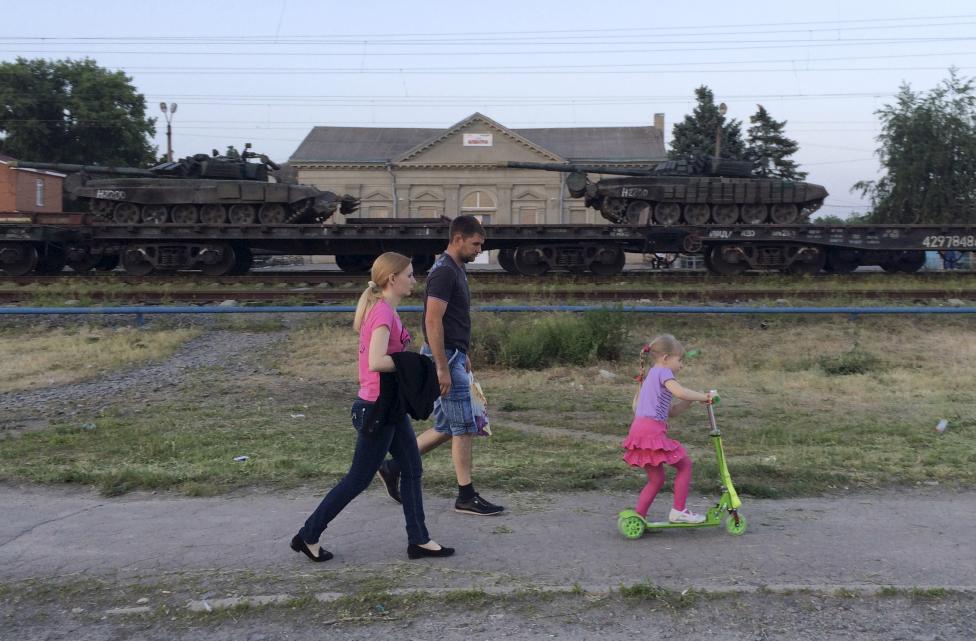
x=24 y=189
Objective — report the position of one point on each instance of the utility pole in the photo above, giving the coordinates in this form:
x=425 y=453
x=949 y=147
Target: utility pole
x=168 y=114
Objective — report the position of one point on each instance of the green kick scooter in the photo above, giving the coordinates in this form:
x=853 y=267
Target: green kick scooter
x=632 y=525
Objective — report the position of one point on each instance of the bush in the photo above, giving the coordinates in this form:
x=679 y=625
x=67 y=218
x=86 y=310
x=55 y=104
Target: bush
x=543 y=341
x=855 y=361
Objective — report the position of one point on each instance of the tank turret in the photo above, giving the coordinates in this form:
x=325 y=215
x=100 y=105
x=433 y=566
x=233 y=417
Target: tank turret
x=210 y=189
x=700 y=190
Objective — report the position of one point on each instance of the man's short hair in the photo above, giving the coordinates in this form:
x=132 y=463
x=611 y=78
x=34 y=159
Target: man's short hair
x=467 y=226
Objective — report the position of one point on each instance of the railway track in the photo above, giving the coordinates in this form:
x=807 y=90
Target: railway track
x=316 y=296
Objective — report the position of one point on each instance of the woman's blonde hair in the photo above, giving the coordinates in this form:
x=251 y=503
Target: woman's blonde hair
x=384 y=267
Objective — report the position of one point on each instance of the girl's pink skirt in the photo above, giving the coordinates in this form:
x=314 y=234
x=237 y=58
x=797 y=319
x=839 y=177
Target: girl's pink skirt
x=647 y=443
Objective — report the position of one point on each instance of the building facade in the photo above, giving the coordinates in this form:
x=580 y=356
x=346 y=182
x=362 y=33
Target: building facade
x=29 y=190
x=426 y=173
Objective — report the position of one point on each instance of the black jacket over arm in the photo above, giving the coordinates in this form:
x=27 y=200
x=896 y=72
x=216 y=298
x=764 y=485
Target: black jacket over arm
x=411 y=389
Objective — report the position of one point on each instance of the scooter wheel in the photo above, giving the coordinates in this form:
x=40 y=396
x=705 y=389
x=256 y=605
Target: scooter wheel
x=735 y=528
x=631 y=525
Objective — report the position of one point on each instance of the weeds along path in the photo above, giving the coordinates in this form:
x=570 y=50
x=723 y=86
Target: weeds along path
x=227 y=349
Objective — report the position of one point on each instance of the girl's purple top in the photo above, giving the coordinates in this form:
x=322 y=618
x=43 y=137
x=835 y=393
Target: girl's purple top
x=654 y=400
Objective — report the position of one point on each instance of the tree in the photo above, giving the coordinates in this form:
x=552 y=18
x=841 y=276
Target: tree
x=928 y=156
x=769 y=149
x=73 y=111
x=696 y=134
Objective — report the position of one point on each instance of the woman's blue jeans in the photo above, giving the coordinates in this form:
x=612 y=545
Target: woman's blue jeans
x=400 y=441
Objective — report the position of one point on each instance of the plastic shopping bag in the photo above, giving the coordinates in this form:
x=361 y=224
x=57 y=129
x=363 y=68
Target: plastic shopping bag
x=479 y=407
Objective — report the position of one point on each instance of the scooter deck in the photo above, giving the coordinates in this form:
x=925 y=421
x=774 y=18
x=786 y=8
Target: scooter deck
x=661 y=525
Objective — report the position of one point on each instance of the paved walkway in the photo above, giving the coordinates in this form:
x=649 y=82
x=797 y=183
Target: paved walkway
x=903 y=539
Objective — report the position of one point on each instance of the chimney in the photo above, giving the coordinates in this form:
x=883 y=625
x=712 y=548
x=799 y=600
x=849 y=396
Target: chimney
x=659 y=122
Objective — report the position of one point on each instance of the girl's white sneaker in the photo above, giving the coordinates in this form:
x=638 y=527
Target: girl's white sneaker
x=685 y=516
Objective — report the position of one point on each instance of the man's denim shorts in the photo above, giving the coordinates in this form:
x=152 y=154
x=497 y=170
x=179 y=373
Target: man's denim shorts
x=452 y=413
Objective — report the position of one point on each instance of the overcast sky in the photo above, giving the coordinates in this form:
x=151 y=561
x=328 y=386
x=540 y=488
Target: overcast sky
x=268 y=71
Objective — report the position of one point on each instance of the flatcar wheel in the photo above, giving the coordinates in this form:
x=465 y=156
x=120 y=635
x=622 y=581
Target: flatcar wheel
x=784 y=213
x=808 y=261
x=52 y=261
x=126 y=213
x=422 y=263
x=530 y=261
x=906 y=262
x=697 y=214
x=667 y=213
x=17 y=259
x=506 y=258
x=725 y=214
x=842 y=261
x=185 y=214
x=213 y=215
x=754 y=214
x=224 y=260
x=354 y=263
x=609 y=261
x=135 y=262
x=273 y=214
x=107 y=263
x=722 y=261
x=244 y=261
x=83 y=263
x=155 y=214
x=242 y=214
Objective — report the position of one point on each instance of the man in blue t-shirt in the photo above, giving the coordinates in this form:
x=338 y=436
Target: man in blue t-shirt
x=447 y=337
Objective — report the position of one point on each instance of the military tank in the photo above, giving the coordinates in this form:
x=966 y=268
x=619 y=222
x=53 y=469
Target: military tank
x=209 y=189
x=702 y=190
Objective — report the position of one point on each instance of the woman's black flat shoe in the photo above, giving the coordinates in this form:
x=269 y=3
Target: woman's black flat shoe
x=417 y=552
x=299 y=545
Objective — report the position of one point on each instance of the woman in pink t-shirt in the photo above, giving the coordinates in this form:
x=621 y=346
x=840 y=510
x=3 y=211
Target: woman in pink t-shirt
x=381 y=333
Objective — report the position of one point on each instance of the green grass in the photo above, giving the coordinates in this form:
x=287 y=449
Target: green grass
x=790 y=426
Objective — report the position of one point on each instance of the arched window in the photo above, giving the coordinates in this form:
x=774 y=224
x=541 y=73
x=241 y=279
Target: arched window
x=478 y=201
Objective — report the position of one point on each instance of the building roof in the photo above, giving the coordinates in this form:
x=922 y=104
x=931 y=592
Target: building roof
x=4 y=158
x=384 y=144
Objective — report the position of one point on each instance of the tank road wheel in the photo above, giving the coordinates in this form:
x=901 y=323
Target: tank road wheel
x=17 y=259
x=808 y=260
x=354 y=263
x=784 y=213
x=530 y=261
x=725 y=261
x=184 y=214
x=697 y=214
x=725 y=214
x=615 y=210
x=422 y=263
x=135 y=262
x=667 y=213
x=842 y=261
x=242 y=214
x=754 y=214
x=213 y=214
x=639 y=213
x=155 y=214
x=52 y=262
x=101 y=209
x=126 y=213
x=608 y=261
x=273 y=214
x=219 y=260
x=506 y=258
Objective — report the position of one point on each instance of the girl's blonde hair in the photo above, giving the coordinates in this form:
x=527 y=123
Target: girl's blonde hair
x=661 y=346
x=384 y=267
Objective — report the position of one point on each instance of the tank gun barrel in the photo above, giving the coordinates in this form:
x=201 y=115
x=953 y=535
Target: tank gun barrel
x=91 y=169
x=575 y=169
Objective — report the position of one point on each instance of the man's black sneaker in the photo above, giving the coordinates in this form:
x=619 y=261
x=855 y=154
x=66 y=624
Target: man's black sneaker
x=391 y=480
x=478 y=506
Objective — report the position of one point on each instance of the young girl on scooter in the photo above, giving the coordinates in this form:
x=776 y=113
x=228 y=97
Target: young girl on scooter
x=647 y=444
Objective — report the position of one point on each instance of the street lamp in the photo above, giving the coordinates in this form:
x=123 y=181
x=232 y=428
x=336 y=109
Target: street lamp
x=722 y=109
x=168 y=114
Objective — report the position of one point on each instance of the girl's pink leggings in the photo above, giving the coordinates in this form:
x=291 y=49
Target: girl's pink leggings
x=655 y=480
